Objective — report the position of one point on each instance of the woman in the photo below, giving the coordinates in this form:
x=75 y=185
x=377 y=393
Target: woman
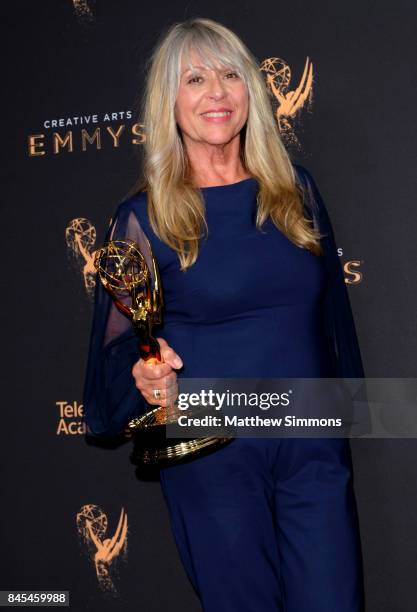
x=246 y=251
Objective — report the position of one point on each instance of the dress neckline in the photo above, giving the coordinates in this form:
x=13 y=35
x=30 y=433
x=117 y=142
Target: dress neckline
x=229 y=186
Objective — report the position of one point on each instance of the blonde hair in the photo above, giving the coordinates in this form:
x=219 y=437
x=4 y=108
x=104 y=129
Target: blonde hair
x=176 y=208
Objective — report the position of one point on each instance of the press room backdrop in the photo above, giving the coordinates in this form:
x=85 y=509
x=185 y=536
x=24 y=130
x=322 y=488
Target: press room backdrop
x=73 y=74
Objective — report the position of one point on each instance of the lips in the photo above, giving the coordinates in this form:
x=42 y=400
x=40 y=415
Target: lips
x=217 y=110
x=217 y=116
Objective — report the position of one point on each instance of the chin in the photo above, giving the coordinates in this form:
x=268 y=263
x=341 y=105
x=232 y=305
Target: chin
x=220 y=137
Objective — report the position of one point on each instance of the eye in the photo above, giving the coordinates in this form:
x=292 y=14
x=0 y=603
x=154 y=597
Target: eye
x=235 y=73
x=193 y=79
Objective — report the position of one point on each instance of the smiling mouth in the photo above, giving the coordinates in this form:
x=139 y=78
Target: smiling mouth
x=217 y=114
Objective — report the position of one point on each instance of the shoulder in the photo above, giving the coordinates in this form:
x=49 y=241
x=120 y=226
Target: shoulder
x=136 y=203
x=299 y=171
x=303 y=176
x=312 y=198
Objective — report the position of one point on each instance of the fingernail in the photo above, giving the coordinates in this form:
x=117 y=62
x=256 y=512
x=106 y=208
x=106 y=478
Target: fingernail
x=177 y=362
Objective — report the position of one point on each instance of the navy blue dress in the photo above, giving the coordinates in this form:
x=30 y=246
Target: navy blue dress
x=261 y=524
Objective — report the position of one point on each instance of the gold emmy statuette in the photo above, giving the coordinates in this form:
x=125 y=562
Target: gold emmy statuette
x=136 y=290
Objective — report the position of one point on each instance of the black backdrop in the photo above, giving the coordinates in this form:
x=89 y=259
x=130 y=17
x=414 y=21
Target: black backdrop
x=65 y=59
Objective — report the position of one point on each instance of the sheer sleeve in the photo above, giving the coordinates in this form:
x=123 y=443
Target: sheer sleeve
x=339 y=322
x=110 y=397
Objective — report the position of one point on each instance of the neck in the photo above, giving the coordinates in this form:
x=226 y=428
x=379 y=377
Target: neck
x=213 y=165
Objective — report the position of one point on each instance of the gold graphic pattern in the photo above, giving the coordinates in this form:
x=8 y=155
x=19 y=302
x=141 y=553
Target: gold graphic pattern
x=288 y=101
x=92 y=525
x=80 y=236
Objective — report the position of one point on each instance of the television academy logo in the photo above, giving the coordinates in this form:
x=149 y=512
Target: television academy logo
x=70 y=418
x=104 y=552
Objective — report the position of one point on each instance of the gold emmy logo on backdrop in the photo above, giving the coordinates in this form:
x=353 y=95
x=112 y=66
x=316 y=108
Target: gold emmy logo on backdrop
x=289 y=101
x=92 y=525
x=80 y=236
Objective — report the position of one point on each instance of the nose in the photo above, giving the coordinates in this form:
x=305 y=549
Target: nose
x=216 y=88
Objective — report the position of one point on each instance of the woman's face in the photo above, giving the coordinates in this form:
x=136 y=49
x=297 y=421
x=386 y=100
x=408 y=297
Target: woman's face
x=203 y=90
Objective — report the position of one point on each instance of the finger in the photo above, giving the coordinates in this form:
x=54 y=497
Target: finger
x=164 y=394
x=150 y=371
x=167 y=396
x=169 y=355
x=156 y=371
x=147 y=387
x=159 y=383
x=164 y=385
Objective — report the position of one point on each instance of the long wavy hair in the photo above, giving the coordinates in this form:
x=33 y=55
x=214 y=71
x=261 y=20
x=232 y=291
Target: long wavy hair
x=176 y=208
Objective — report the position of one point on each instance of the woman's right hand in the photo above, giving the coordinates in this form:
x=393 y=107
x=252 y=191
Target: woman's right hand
x=158 y=376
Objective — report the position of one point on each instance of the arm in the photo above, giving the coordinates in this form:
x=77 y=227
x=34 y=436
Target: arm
x=339 y=323
x=340 y=326
x=110 y=396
